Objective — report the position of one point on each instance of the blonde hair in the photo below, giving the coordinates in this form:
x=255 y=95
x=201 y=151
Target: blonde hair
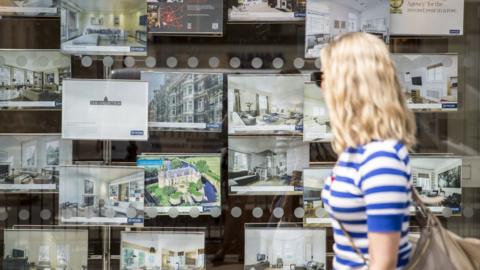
x=363 y=93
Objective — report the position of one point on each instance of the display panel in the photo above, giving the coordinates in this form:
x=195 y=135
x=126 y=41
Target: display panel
x=313 y=182
x=266 y=165
x=279 y=247
x=93 y=108
x=429 y=81
x=31 y=163
x=266 y=10
x=190 y=17
x=106 y=27
x=29 y=8
x=439 y=182
x=32 y=79
x=316 y=123
x=168 y=250
x=265 y=104
x=327 y=19
x=45 y=249
x=182 y=182
x=184 y=101
x=427 y=18
x=101 y=195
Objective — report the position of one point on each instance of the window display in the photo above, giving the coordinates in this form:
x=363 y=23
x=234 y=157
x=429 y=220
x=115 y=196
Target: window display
x=182 y=182
x=45 y=249
x=266 y=165
x=31 y=163
x=430 y=81
x=327 y=19
x=168 y=250
x=29 y=7
x=185 y=17
x=184 y=101
x=32 y=79
x=92 y=109
x=439 y=182
x=313 y=182
x=106 y=27
x=101 y=195
x=287 y=246
x=316 y=123
x=265 y=104
x=266 y=10
x=418 y=17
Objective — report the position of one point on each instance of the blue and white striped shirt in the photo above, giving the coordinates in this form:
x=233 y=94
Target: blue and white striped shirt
x=370 y=192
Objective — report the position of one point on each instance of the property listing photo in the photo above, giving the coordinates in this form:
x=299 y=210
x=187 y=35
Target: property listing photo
x=327 y=19
x=107 y=27
x=313 y=182
x=32 y=79
x=316 y=122
x=429 y=81
x=175 y=250
x=439 y=182
x=101 y=195
x=189 y=17
x=184 y=101
x=45 y=249
x=286 y=247
x=266 y=10
x=31 y=163
x=266 y=165
x=29 y=7
x=265 y=104
x=182 y=182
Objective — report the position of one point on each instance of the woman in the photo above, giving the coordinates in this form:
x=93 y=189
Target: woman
x=373 y=130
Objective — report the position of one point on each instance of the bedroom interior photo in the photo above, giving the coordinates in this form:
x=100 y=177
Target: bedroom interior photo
x=439 y=180
x=268 y=103
x=32 y=78
x=110 y=26
x=264 y=164
x=32 y=162
x=45 y=249
x=90 y=194
x=163 y=251
x=327 y=19
x=285 y=248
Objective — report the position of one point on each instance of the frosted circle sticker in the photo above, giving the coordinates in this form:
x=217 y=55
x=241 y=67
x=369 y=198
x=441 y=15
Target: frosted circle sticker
x=236 y=212
x=257 y=62
x=23 y=214
x=194 y=212
x=3 y=215
x=299 y=212
x=318 y=63
x=447 y=212
x=173 y=213
x=87 y=61
x=214 y=62
x=257 y=212
x=43 y=61
x=129 y=61
x=172 y=62
x=22 y=60
x=45 y=214
x=151 y=62
x=468 y=212
x=216 y=212
x=108 y=61
x=320 y=212
x=235 y=62
x=298 y=63
x=192 y=62
x=278 y=212
x=151 y=212
x=131 y=212
x=278 y=63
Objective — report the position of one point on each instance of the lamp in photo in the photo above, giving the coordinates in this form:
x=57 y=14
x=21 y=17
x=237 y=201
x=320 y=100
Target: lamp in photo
x=396 y=6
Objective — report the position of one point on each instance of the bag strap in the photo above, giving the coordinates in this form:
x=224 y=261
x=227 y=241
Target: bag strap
x=357 y=250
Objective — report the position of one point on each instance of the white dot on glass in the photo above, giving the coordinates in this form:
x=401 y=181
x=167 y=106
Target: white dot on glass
x=278 y=212
x=3 y=215
x=23 y=214
x=131 y=212
x=45 y=214
x=278 y=63
x=320 y=212
x=108 y=61
x=235 y=62
x=257 y=62
x=151 y=212
x=299 y=212
x=236 y=212
x=173 y=213
x=151 y=62
x=129 y=61
x=172 y=62
x=447 y=212
x=298 y=63
x=43 y=61
x=87 y=61
x=214 y=62
x=194 y=212
x=22 y=60
x=468 y=212
x=257 y=212
x=318 y=63
x=192 y=62
x=216 y=212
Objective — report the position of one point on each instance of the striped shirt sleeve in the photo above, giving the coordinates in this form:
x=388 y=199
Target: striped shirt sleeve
x=384 y=182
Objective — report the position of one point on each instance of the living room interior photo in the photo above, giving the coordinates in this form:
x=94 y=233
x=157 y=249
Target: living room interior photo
x=316 y=122
x=45 y=249
x=109 y=26
x=32 y=78
x=265 y=10
x=266 y=164
x=428 y=80
x=29 y=163
x=285 y=248
x=163 y=251
x=439 y=181
x=327 y=19
x=90 y=194
x=265 y=103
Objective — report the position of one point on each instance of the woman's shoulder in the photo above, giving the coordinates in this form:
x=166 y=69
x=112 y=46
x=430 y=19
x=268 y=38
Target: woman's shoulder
x=385 y=149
